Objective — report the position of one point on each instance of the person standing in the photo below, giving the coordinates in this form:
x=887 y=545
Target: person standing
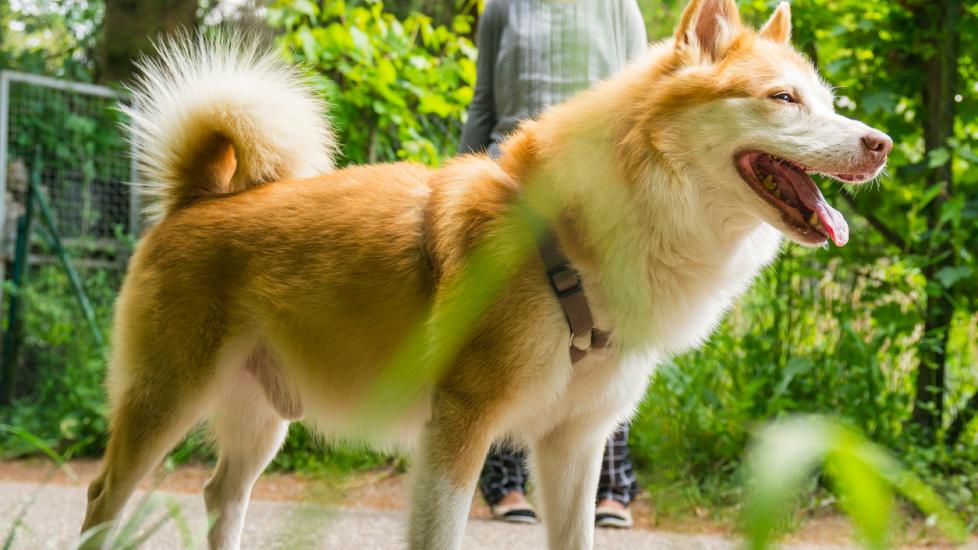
x=533 y=54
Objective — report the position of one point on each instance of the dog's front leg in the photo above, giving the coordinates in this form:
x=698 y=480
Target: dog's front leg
x=453 y=448
x=567 y=462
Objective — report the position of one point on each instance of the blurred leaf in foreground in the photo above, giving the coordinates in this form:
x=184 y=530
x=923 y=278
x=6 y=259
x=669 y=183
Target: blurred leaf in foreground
x=788 y=452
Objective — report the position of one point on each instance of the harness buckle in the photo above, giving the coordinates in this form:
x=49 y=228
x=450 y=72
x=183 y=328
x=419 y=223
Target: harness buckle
x=564 y=280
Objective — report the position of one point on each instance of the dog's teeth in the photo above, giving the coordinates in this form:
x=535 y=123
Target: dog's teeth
x=769 y=182
x=813 y=221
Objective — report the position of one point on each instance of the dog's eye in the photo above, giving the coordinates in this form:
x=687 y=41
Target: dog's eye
x=784 y=96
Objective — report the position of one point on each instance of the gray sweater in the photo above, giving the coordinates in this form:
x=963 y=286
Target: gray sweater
x=535 y=53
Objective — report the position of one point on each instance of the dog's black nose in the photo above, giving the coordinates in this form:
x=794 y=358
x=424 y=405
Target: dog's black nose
x=877 y=144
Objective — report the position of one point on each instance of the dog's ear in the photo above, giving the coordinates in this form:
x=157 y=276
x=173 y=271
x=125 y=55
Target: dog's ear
x=778 y=27
x=708 y=27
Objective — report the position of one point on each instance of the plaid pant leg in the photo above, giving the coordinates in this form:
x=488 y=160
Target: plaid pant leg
x=617 y=481
x=503 y=472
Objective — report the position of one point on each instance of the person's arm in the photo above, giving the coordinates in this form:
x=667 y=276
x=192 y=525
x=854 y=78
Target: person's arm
x=482 y=111
x=636 y=41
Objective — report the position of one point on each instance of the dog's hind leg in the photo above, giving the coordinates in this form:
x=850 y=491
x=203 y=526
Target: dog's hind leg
x=453 y=447
x=566 y=462
x=248 y=431
x=150 y=415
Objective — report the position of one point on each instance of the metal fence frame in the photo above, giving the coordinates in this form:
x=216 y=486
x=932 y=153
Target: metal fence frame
x=6 y=77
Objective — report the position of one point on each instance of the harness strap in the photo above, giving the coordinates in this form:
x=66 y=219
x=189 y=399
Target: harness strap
x=566 y=284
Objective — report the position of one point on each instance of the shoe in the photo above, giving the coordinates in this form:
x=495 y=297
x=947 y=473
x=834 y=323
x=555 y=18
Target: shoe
x=522 y=513
x=619 y=518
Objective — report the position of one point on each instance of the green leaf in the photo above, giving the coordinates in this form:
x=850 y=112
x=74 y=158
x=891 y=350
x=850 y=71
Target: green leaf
x=951 y=275
x=938 y=157
x=361 y=42
x=878 y=100
x=462 y=25
x=386 y=72
x=306 y=7
x=787 y=452
x=865 y=497
x=784 y=455
x=309 y=44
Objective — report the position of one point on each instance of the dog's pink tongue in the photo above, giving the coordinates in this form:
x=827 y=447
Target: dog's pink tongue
x=832 y=220
x=834 y=223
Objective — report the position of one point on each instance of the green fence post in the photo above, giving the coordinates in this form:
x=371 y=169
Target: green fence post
x=13 y=337
x=51 y=235
x=22 y=249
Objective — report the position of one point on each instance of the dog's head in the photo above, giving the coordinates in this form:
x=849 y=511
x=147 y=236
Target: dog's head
x=751 y=117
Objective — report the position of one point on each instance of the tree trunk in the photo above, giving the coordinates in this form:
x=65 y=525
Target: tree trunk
x=941 y=72
x=960 y=423
x=130 y=27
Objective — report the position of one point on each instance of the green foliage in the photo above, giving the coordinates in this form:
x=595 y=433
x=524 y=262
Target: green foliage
x=442 y=12
x=864 y=476
x=53 y=37
x=837 y=340
x=305 y=452
x=61 y=372
x=661 y=16
x=398 y=89
x=64 y=406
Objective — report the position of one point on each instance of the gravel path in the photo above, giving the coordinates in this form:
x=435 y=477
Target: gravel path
x=55 y=514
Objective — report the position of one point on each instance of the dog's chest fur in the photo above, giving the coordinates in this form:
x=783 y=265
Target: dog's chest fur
x=689 y=298
x=661 y=262
x=658 y=271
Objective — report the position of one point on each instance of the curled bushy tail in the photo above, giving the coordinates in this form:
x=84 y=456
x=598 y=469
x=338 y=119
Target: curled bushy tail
x=215 y=116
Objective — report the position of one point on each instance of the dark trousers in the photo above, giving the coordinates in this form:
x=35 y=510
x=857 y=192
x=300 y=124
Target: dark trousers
x=505 y=471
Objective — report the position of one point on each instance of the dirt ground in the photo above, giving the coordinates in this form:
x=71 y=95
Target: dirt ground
x=387 y=490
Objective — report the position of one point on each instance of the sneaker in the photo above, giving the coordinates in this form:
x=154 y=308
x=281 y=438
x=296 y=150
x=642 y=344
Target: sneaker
x=522 y=513
x=619 y=518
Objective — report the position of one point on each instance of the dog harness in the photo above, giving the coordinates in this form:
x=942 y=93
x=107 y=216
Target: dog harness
x=566 y=284
x=565 y=281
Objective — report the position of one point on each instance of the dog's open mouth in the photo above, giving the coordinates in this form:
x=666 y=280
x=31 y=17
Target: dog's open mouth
x=788 y=187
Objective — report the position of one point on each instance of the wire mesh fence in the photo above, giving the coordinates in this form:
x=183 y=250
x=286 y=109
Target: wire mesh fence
x=69 y=218
x=73 y=130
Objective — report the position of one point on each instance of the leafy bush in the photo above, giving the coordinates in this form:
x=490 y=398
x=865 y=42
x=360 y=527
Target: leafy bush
x=305 y=452
x=398 y=89
x=53 y=37
x=63 y=368
x=837 y=341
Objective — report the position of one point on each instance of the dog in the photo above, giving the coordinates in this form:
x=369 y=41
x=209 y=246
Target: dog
x=273 y=287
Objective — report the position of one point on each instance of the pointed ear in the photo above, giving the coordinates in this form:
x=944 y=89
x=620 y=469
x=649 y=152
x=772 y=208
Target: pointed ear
x=709 y=26
x=778 y=27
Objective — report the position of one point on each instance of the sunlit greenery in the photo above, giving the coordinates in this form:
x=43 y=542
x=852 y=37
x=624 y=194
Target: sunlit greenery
x=840 y=332
x=397 y=88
